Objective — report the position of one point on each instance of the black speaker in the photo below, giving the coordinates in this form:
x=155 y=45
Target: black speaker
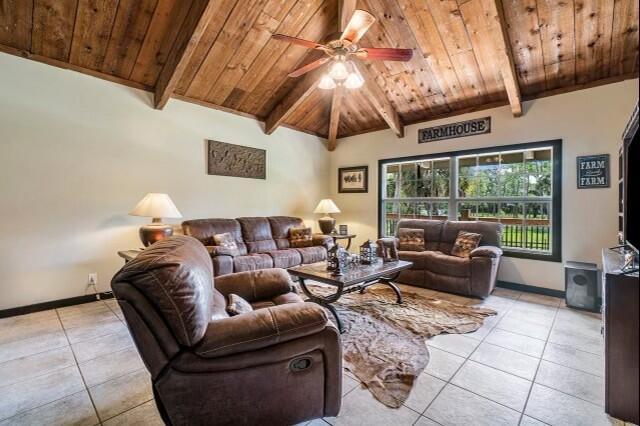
x=582 y=288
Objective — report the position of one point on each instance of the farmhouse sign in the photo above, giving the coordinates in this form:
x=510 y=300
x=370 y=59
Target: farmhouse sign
x=455 y=130
x=593 y=171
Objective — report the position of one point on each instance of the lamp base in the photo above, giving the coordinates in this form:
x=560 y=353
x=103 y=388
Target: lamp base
x=153 y=232
x=327 y=224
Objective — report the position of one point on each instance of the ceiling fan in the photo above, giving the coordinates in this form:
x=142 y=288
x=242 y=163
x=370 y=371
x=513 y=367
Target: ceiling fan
x=343 y=50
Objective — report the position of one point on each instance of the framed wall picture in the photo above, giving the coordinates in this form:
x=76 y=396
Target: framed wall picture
x=593 y=171
x=353 y=179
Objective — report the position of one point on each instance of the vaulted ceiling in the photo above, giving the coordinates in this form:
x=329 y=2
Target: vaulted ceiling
x=468 y=54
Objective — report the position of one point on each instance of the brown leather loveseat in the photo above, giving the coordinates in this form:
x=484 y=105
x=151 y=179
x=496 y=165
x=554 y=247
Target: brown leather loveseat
x=263 y=242
x=437 y=269
x=278 y=364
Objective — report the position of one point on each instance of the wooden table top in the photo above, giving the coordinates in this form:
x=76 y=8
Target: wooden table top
x=353 y=275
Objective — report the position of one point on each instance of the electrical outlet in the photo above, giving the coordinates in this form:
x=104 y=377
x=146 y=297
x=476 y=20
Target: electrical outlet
x=92 y=280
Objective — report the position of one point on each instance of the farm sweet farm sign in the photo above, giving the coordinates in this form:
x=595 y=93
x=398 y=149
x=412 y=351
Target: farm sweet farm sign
x=455 y=130
x=593 y=171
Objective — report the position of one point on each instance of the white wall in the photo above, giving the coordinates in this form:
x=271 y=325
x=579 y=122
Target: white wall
x=77 y=153
x=588 y=121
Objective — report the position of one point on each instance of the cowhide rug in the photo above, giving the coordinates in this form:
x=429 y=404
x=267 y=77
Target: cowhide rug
x=384 y=343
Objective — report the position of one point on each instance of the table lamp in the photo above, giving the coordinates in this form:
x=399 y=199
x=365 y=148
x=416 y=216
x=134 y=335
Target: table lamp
x=327 y=223
x=156 y=206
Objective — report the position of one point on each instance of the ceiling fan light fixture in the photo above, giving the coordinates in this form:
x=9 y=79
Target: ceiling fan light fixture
x=339 y=71
x=354 y=81
x=327 y=83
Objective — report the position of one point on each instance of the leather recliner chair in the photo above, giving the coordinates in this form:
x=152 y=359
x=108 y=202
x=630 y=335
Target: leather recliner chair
x=280 y=364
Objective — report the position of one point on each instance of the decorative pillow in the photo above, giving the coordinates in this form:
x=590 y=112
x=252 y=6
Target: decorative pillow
x=300 y=237
x=411 y=239
x=465 y=243
x=236 y=305
x=227 y=244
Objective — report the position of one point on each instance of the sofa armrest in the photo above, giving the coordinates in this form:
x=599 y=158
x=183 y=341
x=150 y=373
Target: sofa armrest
x=255 y=285
x=322 y=240
x=387 y=240
x=260 y=329
x=486 y=251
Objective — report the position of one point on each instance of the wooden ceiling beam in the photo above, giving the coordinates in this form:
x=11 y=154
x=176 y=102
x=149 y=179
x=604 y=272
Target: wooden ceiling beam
x=334 y=118
x=504 y=55
x=192 y=30
x=379 y=100
x=292 y=100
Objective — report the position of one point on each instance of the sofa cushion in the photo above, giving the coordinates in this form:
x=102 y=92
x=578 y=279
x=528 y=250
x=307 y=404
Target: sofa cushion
x=418 y=258
x=176 y=276
x=205 y=229
x=236 y=305
x=410 y=239
x=226 y=244
x=251 y=262
x=256 y=233
x=285 y=258
x=313 y=254
x=432 y=230
x=491 y=233
x=222 y=265
x=466 y=242
x=278 y=300
x=300 y=237
x=280 y=226
x=444 y=264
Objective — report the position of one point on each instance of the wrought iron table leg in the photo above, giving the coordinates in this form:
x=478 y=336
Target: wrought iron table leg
x=325 y=302
x=386 y=281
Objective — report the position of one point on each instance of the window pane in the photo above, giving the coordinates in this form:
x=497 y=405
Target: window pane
x=539 y=172
x=391 y=218
x=537 y=235
x=467 y=211
x=392 y=177
x=425 y=178
x=487 y=212
x=441 y=175
x=409 y=171
x=423 y=210
x=512 y=217
x=512 y=175
x=407 y=210
x=440 y=211
x=487 y=175
x=466 y=177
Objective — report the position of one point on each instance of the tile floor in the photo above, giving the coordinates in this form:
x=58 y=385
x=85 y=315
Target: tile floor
x=535 y=363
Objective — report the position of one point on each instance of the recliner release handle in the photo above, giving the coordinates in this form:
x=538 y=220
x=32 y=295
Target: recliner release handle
x=300 y=364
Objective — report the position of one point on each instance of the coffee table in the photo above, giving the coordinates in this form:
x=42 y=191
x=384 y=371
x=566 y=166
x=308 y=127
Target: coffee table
x=356 y=278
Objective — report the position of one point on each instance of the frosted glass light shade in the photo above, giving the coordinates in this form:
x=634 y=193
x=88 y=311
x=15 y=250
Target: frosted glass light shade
x=354 y=81
x=338 y=71
x=327 y=83
x=326 y=206
x=157 y=206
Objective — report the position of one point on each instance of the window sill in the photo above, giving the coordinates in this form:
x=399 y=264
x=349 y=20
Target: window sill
x=550 y=257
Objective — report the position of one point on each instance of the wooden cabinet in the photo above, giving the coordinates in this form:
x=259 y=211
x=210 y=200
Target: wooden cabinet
x=621 y=327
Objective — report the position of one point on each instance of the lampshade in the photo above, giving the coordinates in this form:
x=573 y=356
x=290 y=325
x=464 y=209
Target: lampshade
x=338 y=71
x=354 y=81
x=327 y=83
x=326 y=206
x=156 y=205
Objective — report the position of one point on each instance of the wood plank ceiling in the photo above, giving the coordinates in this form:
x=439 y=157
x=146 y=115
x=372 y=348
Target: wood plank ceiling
x=220 y=53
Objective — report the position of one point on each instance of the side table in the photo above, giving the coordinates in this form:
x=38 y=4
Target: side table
x=348 y=237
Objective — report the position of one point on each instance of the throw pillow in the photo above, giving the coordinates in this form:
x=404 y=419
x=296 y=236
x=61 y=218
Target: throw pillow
x=411 y=239
x=465 y=243
x=227 y=244
x=300 y=237
x=236 y=305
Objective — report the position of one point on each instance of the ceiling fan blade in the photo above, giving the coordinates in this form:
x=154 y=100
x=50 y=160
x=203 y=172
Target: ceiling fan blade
x=309 y=67
x=298 y=41
x=385 y=54
x=358 y=25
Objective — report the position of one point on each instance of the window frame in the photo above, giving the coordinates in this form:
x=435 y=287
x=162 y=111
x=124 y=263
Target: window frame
x=556 y=191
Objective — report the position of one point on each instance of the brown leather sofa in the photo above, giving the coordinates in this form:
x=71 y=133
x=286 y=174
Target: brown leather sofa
x=279 y=364
x=263 y=243
x=436 y=269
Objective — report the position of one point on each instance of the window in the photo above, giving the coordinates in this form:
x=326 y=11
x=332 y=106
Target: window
x=517 y=186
